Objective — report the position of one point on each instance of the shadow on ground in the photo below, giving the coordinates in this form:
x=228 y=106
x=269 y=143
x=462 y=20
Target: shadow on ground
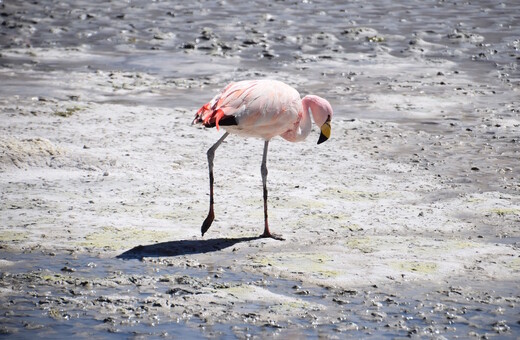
x=182 y=247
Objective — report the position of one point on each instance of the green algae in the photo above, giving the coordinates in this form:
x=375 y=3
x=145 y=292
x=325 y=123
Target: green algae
x=7 y=235
x=364 y=244
x=112 y=238
x=68 y=111
x=319 y=265
x=164 y=216
x=461 y=244
x=505 y=211
x=415 y=266
x=513 y=264
x=355 y=196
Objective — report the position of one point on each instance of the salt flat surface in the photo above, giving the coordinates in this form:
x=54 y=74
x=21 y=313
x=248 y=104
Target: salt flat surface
x=405 y=223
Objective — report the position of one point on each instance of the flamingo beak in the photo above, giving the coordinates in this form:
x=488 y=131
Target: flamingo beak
x=325 y=131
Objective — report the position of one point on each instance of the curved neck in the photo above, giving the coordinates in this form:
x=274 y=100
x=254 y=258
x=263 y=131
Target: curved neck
x=303 y=129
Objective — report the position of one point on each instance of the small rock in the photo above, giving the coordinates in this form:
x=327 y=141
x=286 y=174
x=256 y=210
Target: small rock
x=68 y=269
x=501 y=327
x=178 y=291
x=188 y=46
x=109 y=320
x=250 y=42
x=340 y=301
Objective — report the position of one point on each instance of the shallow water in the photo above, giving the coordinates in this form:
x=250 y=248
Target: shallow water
x=325 y=47
x=60 y=296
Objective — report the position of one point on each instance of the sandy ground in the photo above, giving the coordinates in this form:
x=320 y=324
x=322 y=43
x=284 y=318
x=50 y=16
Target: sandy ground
x=405 y=223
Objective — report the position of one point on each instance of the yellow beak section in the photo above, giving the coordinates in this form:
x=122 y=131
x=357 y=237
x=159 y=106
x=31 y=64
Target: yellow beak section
x=325 y=131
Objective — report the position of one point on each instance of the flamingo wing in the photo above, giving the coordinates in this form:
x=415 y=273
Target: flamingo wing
x=259 y=108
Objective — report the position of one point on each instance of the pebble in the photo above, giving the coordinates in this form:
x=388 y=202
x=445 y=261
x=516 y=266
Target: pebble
x=68 y=269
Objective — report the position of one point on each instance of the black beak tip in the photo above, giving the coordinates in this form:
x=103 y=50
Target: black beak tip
x=322 y=139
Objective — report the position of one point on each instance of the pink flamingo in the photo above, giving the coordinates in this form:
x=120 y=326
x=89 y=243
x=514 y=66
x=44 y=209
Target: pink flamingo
x=264 y=109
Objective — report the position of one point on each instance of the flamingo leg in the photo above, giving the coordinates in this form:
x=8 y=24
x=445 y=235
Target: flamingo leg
x=211 y=156
x=263 y=170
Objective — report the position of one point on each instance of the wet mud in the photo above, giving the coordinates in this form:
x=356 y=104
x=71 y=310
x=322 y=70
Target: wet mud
x=60 y=296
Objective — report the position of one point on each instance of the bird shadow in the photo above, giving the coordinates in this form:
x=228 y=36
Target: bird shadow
x=182 y=247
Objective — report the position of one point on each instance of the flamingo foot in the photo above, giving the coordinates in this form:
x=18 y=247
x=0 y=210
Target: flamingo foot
x=207 y=222
x=268 y=234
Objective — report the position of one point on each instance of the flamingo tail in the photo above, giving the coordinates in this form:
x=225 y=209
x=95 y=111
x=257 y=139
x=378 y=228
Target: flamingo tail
x=213 y=117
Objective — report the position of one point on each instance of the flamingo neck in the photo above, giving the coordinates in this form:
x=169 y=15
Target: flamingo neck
x=305 y=126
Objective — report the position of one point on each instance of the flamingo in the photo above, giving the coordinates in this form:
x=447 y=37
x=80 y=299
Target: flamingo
x=262 y=109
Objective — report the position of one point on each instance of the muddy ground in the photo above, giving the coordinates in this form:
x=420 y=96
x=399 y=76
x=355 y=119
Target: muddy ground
x=406 y=223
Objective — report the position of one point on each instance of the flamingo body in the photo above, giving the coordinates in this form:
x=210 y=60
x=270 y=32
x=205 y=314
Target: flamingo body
x=263 y=109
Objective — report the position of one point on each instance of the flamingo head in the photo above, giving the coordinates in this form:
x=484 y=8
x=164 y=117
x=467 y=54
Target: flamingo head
x=321 y=113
